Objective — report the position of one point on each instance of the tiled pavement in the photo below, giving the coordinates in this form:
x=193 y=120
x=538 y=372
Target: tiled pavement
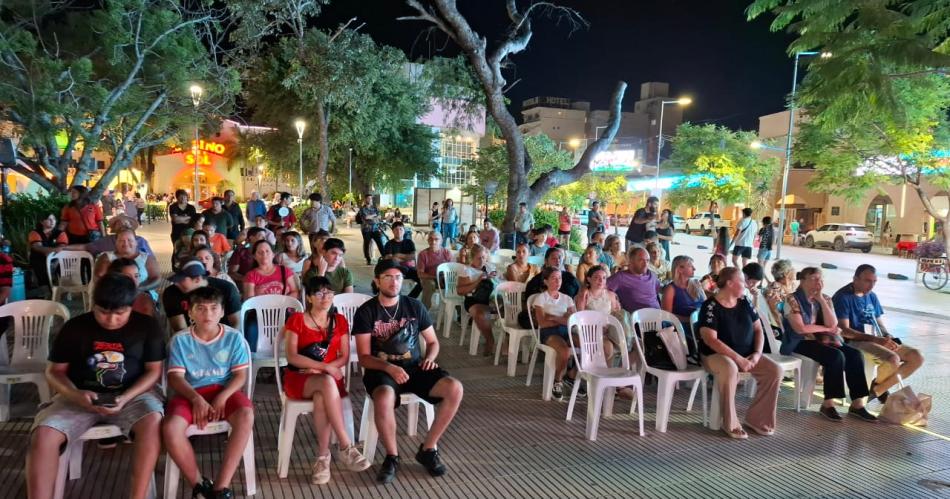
x=506 y=442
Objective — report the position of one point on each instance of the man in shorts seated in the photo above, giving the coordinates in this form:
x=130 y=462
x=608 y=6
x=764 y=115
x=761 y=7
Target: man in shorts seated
x=389 y=329
x=103 y=366
x=207 y=371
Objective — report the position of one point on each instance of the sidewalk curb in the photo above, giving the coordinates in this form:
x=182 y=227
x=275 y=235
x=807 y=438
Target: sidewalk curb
x=917 y=312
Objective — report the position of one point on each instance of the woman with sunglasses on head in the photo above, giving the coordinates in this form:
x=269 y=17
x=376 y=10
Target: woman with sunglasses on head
x=318 y=348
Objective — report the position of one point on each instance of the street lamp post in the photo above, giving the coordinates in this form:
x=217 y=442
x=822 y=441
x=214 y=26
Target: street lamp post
x=196 y=92
x=788 y=147
x=683 y=101
x=300 y=125
x=350 y=190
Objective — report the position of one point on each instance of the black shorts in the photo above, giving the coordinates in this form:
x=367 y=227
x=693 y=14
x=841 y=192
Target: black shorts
x=469 y=301
x=743 y=251
x=564 y=233
x=420 y=382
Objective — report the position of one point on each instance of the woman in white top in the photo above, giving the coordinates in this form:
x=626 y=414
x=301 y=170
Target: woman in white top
x=594 y=295
x=552 y=309
x=127 y=247
x=293 y=256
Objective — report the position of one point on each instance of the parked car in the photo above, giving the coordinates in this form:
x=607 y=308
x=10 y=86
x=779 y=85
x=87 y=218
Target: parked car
x=679 y=223
x=702 y=222
x=840 y=237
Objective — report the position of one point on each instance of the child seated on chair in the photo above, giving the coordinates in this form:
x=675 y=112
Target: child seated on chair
x=318 y=348
x=103 y=366
x=207 y=370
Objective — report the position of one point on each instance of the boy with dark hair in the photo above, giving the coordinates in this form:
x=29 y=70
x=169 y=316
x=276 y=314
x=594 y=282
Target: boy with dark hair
x=103 y=367
x=403 y=252
x=207 y=370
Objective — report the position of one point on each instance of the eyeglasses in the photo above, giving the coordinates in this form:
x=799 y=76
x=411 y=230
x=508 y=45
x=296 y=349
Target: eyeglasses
x=326 y=293
x=390 y=277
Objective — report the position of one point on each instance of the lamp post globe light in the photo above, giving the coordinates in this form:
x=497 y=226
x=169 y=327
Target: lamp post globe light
x=196 y=92
x=788 y=145
x=300 y=125
x=682 y=101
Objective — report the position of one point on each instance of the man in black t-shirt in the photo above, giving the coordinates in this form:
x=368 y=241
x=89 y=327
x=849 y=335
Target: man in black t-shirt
x=403 y=253
x=103 y=367
x=193 y=275
x=388 y=331
x=181 y=214
x=644 y=219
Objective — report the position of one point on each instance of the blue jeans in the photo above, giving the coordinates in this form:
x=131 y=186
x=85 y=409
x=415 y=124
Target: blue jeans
x=448 y=232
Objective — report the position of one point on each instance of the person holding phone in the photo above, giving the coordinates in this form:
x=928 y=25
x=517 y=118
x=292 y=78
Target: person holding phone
x=476 y=285
x=644 y=219
x=207 y=371
x=103 y=367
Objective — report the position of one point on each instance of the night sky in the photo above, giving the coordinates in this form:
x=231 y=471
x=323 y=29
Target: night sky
x=734 y=70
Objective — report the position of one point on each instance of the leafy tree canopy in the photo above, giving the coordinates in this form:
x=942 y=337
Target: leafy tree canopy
x=113 y=78
x=719 y=164
x=492 y=163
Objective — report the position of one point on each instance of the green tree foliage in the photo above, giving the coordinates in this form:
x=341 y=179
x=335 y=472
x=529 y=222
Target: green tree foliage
x=718 y=164
x=113 y=77
x=492 y=163
x=353 y=93
x=874 y=43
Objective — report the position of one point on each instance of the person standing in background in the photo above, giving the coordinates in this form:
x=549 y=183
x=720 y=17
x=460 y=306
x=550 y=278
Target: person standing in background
x=435 y=218
x=524 y=220
x=664 y=232
x=255 y=207
x=234 y=209
x=595 y=220
x=564 y=227
x=450 y=220
x=766 y=240
x=794 y=227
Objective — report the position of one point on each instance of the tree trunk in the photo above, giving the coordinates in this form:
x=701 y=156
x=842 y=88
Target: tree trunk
x=323 y=158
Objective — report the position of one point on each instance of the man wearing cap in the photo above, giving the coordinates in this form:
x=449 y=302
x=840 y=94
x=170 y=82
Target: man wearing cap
x=242 y=260
x=193 y=275
x=387 y=329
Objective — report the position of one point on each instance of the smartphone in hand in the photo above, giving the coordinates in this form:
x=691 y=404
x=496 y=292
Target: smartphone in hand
x=105 y=400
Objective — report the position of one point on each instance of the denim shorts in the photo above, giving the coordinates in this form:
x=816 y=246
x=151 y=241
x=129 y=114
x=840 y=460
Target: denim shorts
x=764 y=254
x=71 y=420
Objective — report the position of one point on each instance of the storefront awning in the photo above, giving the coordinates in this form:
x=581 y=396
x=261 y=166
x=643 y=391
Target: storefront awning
x=792 y=201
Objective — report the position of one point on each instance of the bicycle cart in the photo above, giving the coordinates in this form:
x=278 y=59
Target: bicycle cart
x=934 y=272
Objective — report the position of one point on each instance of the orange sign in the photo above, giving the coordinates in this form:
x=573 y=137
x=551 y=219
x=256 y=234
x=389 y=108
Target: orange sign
x=203 y=159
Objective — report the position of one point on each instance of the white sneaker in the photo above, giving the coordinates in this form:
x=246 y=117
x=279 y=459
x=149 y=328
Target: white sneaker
x=321 y=471
x=352 y=459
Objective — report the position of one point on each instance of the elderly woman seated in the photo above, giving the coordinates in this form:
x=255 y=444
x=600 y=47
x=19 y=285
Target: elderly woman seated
x=732 y=342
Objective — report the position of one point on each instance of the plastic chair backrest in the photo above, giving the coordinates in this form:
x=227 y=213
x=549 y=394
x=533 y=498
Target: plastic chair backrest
x=271 y=311
x=279 y=348
x=652 y=319
x=448 y=273
x=571 y=258
x=70 y=268
x=762 y=307
x=505 y=253
x=501 y=261
x=32 y=322
x=531 y=299
x=536 y=260
x=508 y=299
x=591 y=327
x=347 y=303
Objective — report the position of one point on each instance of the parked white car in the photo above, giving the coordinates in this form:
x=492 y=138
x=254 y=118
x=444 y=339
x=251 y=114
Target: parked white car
x=702 y=222
x=679 y=223
x=840 y=237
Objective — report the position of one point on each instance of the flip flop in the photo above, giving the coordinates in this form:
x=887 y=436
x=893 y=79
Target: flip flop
x=760 y=431
x=737 y=433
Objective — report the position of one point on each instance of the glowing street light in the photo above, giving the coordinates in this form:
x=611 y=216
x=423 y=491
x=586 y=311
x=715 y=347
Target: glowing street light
x=574 y=143
x=196 y=92
x=300 y=125
x=682 y=101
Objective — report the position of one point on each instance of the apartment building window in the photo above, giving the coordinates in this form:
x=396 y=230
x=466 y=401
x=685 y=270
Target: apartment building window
x=454 y=151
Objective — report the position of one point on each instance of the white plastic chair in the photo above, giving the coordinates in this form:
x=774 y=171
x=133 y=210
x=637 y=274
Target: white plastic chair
x=508 y=299
x=547 y=383
x=368 y=433
x=346 y=304
x=571 y=258
x=291 y=410
x=602 y=380
x=448 y=274
x=501 y=262
x=536 y=260
x=507 y=253
x=70 y=278
x=32 y=321
x=70 y=461
x=788 y=362
x=271 y=311
x=650 y=319
x=173 y=473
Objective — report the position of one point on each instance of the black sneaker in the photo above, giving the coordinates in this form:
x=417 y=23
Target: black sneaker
x=204 y=489
x=387 y=472
x=224 y=493
x=582 y=390
x=429 y=458
x=830 y=413
x=557 y=391
x=863 y=414
x=882 y=397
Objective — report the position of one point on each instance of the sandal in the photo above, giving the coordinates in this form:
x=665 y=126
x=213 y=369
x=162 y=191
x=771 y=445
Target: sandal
x=736 y=433
x=760 y=431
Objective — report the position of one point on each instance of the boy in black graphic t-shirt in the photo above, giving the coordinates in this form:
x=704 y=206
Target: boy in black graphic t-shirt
x=104 y=366
x=388 y=330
